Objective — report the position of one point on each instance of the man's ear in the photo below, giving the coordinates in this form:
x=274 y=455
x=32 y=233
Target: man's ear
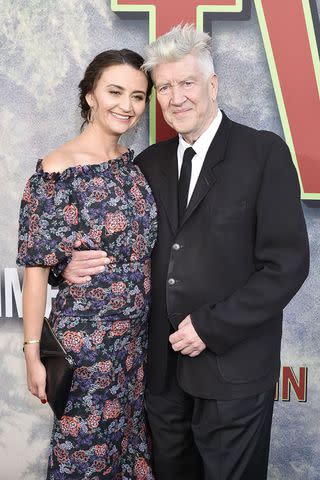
x=214 y=85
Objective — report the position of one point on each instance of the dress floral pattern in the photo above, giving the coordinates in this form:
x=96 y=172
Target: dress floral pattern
x=103 y=323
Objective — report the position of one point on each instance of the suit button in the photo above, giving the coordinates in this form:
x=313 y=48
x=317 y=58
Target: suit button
x=176 y=246
x=171 y=281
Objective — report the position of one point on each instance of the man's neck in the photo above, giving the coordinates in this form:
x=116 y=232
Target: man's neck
x=193 y=137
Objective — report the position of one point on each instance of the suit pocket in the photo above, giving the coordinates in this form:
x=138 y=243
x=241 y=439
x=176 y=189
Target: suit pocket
x=254 y=358
x=228 y=213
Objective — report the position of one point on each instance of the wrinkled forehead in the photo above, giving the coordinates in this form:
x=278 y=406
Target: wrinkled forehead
x=177 y=71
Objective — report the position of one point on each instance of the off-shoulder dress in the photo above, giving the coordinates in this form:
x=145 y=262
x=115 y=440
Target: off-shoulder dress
x=103 y=323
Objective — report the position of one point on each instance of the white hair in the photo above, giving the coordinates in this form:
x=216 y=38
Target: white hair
x=174 y=45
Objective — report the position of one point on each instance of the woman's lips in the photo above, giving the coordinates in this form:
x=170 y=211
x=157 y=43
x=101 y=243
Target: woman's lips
x=119 y=116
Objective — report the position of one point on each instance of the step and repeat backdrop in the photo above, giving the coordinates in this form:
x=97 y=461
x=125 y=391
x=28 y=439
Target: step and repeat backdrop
x=266 y=57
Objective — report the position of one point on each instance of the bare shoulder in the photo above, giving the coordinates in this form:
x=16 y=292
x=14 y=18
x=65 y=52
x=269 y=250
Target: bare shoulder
x=60 y=159
x=56 y=161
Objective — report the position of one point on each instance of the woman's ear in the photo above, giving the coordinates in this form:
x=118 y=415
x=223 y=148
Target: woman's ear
x=89 y=99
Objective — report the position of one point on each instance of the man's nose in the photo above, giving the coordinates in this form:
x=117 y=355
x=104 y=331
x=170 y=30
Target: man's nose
x=177 y=96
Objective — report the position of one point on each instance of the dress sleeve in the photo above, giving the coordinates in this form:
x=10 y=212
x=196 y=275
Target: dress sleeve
x=47 y=222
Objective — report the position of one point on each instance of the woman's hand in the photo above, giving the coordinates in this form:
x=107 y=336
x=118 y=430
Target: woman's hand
x=36 y=377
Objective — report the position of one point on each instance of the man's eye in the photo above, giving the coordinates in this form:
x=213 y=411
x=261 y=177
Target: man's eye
x=188 y=83
x=163 y=89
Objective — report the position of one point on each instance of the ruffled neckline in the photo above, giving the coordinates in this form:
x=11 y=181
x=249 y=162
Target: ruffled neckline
x=123 y=159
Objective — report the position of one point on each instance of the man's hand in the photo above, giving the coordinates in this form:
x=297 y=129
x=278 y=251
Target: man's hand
x=186 y=340
x=84 y=264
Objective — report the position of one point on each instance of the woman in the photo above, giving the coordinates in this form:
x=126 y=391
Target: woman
x=89 y=190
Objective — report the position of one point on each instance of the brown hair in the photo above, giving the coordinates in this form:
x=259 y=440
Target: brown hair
x=95 y=69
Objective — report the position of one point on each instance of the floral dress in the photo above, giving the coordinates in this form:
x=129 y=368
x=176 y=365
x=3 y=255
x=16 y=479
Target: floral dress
x=103 y=323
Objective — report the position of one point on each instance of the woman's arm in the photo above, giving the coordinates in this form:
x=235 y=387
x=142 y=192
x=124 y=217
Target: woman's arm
x=34 y=304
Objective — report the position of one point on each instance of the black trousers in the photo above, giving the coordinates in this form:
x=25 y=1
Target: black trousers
x=199 y=439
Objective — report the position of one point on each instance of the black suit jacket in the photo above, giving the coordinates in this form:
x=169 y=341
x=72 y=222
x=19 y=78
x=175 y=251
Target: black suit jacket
x=237 y=259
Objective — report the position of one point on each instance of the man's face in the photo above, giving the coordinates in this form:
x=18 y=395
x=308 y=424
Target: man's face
x=187 y=96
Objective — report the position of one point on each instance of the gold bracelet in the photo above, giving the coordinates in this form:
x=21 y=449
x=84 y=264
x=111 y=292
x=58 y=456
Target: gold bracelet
x=28 y=342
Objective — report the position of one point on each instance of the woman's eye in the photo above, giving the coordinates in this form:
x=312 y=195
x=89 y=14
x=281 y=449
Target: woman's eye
x=114 y=92
x=138 y=97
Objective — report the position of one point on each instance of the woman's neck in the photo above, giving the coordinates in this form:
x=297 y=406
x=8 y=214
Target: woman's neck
x=101 y=142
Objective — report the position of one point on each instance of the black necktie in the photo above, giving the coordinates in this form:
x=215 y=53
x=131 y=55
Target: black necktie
x=184 y=181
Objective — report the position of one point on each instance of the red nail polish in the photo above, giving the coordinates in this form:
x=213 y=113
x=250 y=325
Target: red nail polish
x=43 y=401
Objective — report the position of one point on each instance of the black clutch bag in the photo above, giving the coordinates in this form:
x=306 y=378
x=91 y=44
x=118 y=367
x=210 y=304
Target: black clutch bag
x=59 y=367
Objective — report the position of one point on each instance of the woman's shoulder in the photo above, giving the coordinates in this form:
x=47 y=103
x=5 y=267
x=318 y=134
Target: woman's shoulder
x=58 y=160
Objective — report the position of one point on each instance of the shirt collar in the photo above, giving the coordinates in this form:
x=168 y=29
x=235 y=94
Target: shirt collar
x=202 y=145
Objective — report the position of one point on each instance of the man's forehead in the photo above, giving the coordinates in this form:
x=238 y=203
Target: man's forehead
x=177 y=71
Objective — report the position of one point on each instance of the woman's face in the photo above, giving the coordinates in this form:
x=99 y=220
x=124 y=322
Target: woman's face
x=119 y=99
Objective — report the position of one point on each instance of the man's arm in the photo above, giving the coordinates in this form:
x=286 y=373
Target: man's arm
x=281 y=258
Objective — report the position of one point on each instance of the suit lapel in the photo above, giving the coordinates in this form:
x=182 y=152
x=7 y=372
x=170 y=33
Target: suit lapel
x=215 y=155
x=169 y=183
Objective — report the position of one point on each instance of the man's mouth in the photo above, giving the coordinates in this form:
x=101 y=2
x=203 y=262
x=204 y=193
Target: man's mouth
x=182 y=111
x=121 y=117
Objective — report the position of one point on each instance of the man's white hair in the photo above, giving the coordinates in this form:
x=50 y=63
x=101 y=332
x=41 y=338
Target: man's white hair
x=174 y=45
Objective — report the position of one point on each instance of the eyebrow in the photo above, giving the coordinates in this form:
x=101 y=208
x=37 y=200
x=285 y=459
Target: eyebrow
x=121 y=88
x=190 y=77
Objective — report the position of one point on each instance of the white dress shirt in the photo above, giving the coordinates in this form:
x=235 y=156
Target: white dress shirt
x=201 y=147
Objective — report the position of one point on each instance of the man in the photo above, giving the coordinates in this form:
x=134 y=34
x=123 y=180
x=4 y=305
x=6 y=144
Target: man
x=232 y=251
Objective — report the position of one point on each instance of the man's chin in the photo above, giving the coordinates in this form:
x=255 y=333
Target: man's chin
x=180 y=127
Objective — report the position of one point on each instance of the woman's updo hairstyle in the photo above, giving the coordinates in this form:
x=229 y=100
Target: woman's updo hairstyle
x=95 y=69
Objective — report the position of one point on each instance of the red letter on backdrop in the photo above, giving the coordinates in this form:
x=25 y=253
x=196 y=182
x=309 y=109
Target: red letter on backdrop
x=285 y=22
x=289 y=380
x=287 y=28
